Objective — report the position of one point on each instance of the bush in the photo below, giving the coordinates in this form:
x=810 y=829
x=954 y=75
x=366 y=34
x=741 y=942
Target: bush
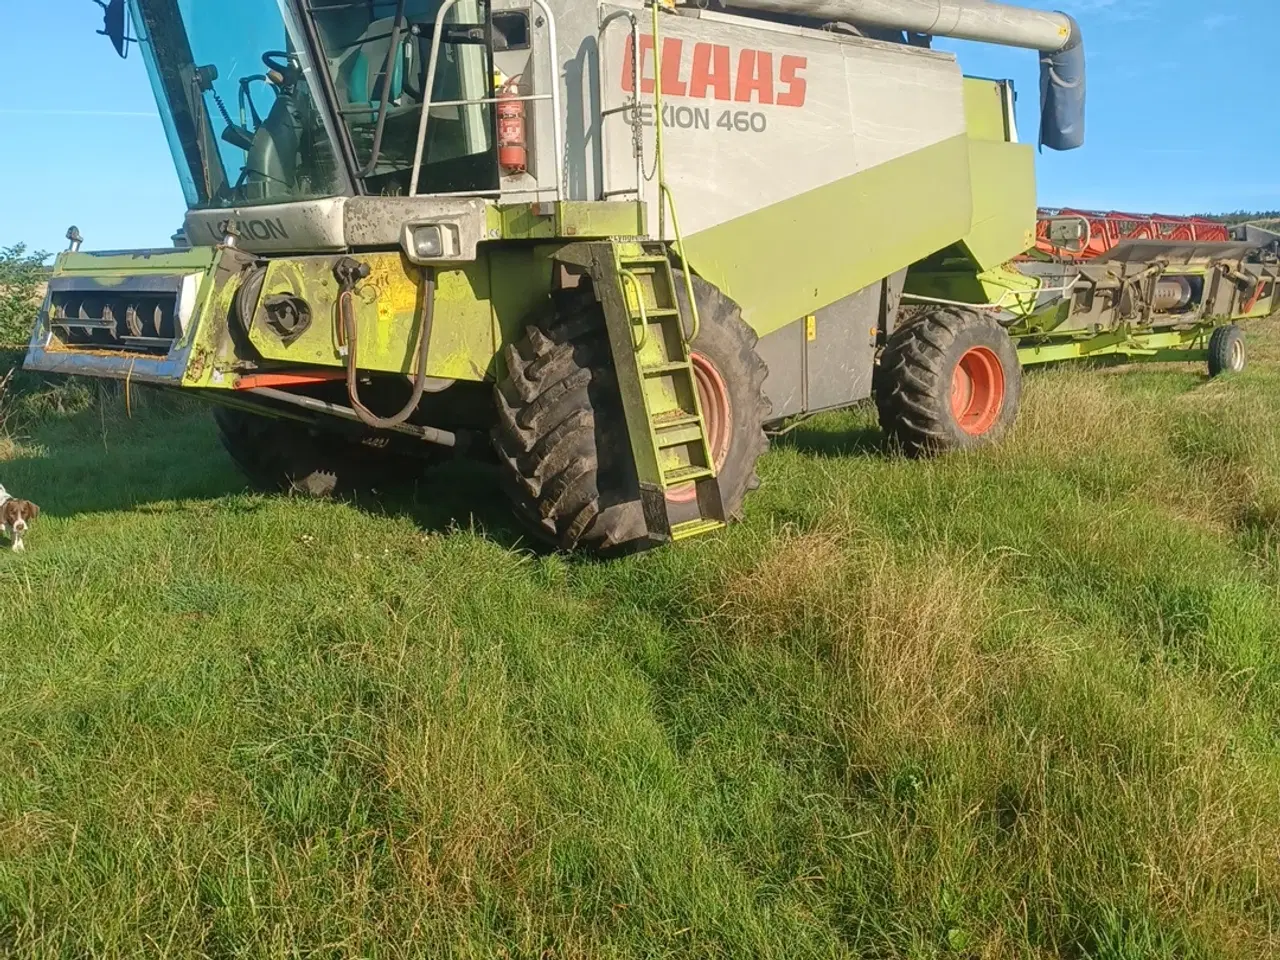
x=21 y=275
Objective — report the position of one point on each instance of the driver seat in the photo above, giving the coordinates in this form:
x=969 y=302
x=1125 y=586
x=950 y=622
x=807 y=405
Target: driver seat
x=359 y=74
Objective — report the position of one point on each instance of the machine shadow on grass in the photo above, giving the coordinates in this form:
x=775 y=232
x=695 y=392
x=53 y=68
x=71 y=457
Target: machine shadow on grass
x=96 y=461
x=101 y=460
x=455 y=494
x=826 y=442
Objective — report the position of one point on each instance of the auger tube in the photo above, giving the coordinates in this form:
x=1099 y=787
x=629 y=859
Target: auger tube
x=980 y=20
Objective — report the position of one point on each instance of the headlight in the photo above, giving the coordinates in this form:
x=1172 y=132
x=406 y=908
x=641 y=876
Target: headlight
x=428 y=242
x=440 y=239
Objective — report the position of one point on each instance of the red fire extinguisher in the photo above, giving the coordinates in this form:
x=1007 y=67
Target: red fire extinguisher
x=512 y=156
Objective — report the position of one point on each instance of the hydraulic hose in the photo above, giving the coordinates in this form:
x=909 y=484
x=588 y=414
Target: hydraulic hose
x=348 y=272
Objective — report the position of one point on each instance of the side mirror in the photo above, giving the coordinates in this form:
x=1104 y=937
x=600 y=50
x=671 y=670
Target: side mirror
x=115 y=25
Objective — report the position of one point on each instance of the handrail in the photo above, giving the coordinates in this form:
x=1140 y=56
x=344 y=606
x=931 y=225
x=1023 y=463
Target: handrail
x=427 y=104
x=664 y=192
x=629 y=277
x=637 y=124
x=632 y=104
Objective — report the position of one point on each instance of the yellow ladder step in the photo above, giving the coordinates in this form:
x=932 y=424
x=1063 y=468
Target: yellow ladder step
x=659 y=369
x=695 y=528
x=649 y=260
x=673 y=418
x=675 y=436
x=686 y=474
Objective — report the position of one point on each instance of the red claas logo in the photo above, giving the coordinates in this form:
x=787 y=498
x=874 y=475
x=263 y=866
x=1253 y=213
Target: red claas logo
x=714 y=74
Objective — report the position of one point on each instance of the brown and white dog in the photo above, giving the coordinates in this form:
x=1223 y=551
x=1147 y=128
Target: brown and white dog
x=16 y=517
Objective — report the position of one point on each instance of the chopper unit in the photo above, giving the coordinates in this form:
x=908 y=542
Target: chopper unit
x=611 y=244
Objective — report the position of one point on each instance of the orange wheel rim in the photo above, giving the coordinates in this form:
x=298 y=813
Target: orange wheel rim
x=977 y=390
x=717 y=413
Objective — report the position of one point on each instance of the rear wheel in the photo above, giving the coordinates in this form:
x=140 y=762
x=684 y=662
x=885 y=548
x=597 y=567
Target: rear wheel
x=289 y=456
x=1227 y=352
x=562 y=437
x=949 y=381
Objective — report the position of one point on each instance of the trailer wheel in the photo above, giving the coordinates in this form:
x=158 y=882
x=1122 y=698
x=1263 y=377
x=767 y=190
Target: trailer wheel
x=949 y=381
x=561 y=435
x=1227 y=352
x=283 y=455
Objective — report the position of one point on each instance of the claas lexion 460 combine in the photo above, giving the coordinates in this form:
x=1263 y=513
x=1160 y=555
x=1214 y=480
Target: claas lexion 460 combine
x=613 y=244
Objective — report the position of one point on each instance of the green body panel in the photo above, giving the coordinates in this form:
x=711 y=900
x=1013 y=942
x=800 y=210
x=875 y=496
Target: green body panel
x=478 y=308
x=1002 y=285
x=388 y=310
x=1178 y=345
x=213 y=361
x=1003 y=184
x=104 y=267
x=570 y=219
x=1002 y=191
x=520 y=279
x=984 y=110
x=789 y=259
x=1002 y=177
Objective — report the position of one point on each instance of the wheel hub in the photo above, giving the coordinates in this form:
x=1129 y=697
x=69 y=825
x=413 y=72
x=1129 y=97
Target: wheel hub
x=717 y=417
x=977 y=390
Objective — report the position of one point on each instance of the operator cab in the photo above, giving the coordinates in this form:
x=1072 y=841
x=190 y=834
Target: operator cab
x=273 y=101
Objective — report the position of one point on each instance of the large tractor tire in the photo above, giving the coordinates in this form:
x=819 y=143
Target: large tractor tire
x=1227 y=352
x=730 y=377
x=949 y=381
x=284 y=455
x=561 y=435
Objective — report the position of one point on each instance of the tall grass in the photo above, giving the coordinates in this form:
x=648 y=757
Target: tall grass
x=1020 y=704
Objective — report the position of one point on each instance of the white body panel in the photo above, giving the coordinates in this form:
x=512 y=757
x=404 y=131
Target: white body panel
x=756 y=113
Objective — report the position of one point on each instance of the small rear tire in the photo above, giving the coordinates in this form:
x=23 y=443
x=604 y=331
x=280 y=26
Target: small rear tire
x=950 y=381
x=1227 y=353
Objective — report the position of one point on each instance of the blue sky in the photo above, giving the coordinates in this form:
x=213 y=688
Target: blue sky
x=1182 y=118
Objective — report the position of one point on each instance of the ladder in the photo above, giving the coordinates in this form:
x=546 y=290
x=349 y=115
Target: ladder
x=668 y=429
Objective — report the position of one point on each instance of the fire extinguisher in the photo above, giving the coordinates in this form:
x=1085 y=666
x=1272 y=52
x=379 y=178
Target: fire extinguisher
x=512 y=156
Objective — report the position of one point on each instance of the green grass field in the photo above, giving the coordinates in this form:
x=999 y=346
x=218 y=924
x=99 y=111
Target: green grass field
x=1023 y=704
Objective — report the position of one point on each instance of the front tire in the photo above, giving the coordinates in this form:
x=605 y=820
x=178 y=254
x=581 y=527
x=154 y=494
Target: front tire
x=561 y=437
x=561 y=434
x=950 y=381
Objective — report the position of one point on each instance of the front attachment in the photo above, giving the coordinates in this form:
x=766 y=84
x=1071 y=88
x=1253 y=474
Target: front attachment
x=132 y=316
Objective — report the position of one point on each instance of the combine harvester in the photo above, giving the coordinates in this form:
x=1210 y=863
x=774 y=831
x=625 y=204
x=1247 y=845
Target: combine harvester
x=611 y=244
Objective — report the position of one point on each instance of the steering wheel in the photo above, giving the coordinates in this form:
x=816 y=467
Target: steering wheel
x=281 y=61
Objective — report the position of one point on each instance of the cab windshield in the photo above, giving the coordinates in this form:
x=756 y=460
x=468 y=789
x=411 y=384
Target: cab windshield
x=237 y=97
x=378 y=55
